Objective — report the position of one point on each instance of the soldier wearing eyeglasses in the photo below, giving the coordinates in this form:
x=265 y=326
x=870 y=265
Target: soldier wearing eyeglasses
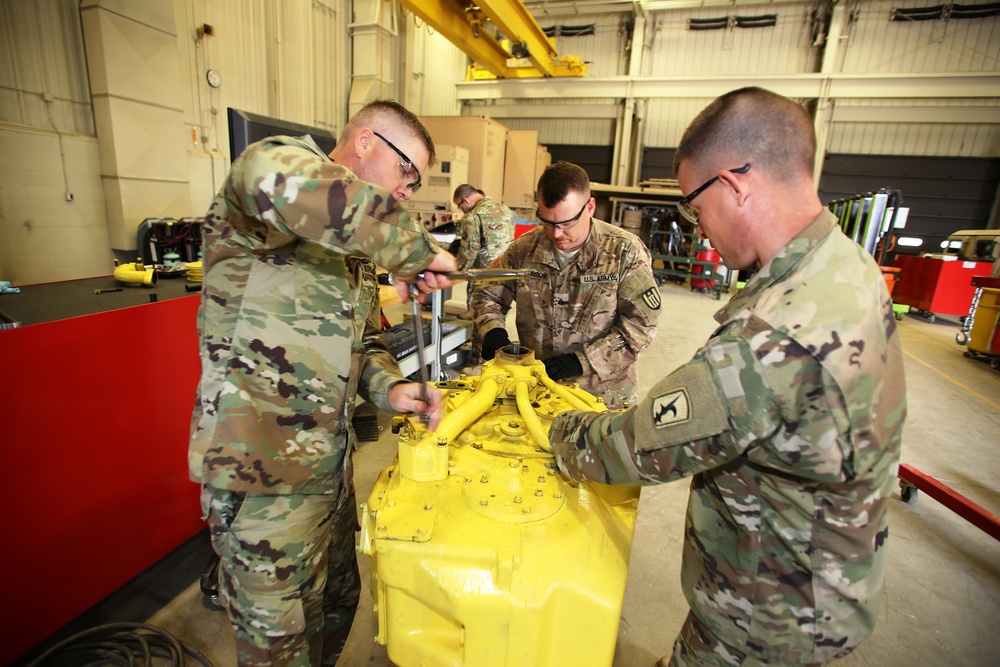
x=591 y=305
x=290 y=334
x=789 y=419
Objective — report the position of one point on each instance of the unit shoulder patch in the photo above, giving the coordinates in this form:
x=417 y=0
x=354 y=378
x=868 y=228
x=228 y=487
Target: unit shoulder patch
x=651 y=298
x=672 y=408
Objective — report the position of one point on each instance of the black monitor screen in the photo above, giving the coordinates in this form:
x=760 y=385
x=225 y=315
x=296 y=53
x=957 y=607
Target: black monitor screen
x=245 y=128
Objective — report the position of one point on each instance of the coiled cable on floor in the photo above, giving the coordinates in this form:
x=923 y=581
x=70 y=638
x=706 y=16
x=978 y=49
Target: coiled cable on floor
x=126 y=644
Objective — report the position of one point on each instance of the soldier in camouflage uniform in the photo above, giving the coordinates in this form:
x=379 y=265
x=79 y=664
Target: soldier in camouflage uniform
x=487 y=230
x=289 y=335
x=591 y=304
x=790 y=417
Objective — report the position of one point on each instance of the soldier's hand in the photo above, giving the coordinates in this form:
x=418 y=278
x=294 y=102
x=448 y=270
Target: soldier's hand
x=407 y=398
x=431 y=279
x=493 y=341
x=563 y=367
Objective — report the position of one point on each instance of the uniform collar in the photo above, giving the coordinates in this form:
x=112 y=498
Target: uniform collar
x=781 y=264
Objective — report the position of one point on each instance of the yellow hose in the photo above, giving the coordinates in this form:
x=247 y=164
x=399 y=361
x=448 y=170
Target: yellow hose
x=135 y=273
x=455 y=422
x=530 y=418
x=564 y=392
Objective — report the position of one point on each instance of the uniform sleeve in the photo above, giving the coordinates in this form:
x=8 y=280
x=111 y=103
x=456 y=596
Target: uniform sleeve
x=638 y=308
x=380 y=371
x=491 y=301
x=703 y=415
x=471 y=242
x=298 y=194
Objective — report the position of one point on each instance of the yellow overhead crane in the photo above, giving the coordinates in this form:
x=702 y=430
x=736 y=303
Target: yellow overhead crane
x=525 y=53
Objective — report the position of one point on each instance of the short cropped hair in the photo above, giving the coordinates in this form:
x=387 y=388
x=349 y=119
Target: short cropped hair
x=465 y=190
x=559 y=179
x=750 y=125
x=389 y=113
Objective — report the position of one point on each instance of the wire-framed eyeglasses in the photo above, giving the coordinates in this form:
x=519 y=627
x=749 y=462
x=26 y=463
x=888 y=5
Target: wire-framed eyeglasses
x=406 y=168
x=563 y=224
x=684 y=204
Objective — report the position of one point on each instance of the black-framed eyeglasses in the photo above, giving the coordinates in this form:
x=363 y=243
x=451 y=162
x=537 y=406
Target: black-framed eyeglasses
x=565 y=224
x=406 y=168
x=692 y=214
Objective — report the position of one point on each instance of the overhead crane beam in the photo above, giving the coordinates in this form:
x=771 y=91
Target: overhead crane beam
x=462 y=22
x=520 y=27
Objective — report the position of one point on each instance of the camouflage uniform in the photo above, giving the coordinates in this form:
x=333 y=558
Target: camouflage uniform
x=790 y=420
x=290 y=333
x=602 y=307
x=487 y=230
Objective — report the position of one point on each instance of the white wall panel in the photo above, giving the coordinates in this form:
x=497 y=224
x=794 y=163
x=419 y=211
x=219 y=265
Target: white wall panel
x=785 y=48
x=41 y=58
x=878 y=44
x=664 y=120
x=440 y=64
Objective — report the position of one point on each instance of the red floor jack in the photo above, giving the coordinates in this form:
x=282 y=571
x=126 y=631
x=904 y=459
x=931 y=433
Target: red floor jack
x=911 y=479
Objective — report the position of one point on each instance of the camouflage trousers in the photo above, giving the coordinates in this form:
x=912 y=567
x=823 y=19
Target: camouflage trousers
x=288 y=573
x=697 y=647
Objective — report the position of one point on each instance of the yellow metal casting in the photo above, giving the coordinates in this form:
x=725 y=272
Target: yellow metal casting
x=135 y=273
x=482 y=553
x=526 y=52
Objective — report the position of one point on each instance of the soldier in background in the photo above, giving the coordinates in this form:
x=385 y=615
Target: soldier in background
x=487 y=228
x=290 y=334
x=789 y=418
x=591 y=304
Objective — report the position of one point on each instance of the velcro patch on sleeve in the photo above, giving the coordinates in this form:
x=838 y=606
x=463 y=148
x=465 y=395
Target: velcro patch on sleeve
x=686 y=406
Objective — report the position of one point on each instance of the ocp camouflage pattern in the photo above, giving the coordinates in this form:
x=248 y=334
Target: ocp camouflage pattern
x=602 y=307
x=286 y=602
x=289 y=323
x=790 y=420
x=486 y=232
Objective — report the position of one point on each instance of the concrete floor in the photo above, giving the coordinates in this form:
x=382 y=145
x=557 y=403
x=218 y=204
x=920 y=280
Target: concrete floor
x=941 y=603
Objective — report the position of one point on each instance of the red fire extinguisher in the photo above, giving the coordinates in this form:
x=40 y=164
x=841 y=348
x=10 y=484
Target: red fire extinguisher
x=706 y=255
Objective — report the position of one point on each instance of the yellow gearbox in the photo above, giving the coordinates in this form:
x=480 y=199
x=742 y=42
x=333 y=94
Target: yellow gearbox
x=482 y=553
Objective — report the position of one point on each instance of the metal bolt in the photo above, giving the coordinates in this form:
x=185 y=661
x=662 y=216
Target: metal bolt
x=512 y=424
x=514 y=464
x=541 y=480
x=380 y=494
x=484 y=503
x=442 y=442
x=428 y=507
x=526 y=510
x=517 y=500
x=557 y=495
x=538 y=492
x=484 y=479
x=552 y=473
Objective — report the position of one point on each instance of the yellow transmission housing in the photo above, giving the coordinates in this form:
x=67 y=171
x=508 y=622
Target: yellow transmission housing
x=482 y=553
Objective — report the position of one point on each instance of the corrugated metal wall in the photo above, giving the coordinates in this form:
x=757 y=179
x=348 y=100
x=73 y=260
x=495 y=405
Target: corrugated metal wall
x=43 y=56
x=785 y=48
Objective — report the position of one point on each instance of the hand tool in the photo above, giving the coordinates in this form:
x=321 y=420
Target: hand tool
x=102 y=291
x=472 y=275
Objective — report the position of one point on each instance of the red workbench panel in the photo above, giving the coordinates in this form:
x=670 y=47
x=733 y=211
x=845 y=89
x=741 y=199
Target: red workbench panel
x=937 y=285
x=96 y=415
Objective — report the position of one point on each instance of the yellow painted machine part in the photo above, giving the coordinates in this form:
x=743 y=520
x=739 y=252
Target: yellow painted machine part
x=985 y=320
x=135 y=273
x=470 y=32
x=483 y=554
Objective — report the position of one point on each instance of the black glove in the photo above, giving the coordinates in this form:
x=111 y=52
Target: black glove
x=455 y=245
x=563 y=367
x=493 y=341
